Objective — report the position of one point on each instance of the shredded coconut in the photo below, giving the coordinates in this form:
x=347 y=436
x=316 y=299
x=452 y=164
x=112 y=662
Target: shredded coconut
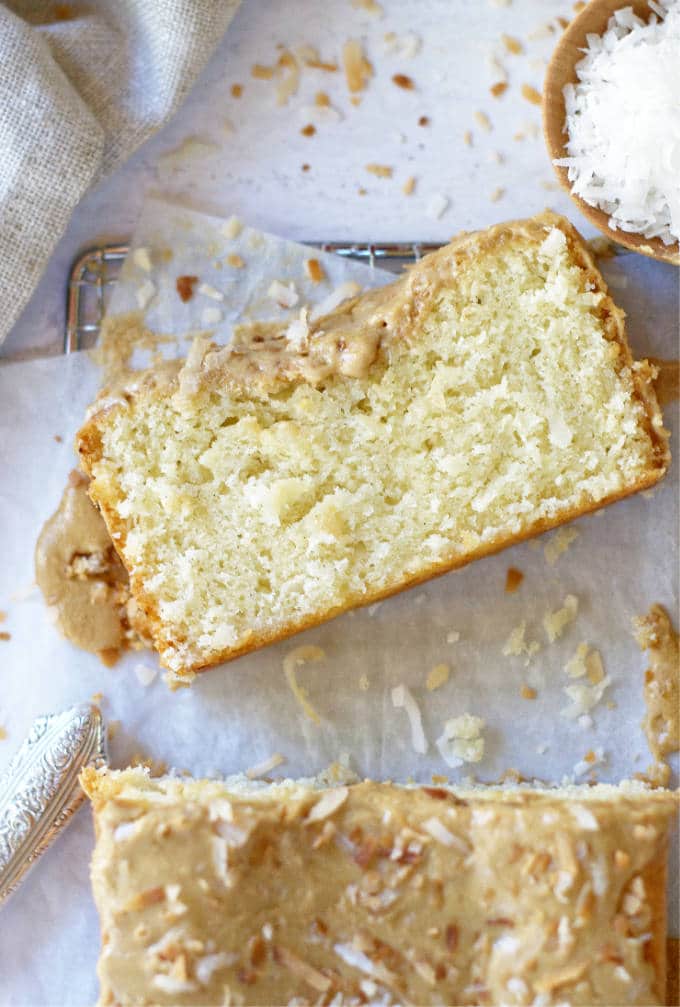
x=291 y=662
x=623 y=122
x=402 y=698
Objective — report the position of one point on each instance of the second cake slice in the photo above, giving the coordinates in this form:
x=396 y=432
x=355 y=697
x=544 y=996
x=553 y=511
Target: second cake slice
x=485 y=397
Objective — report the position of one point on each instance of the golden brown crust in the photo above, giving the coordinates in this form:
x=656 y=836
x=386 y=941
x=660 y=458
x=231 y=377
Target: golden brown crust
x=403 y=303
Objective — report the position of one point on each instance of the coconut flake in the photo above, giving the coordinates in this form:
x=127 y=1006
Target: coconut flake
x=623 y=124
x=341 y=293
x=402 y=698
x=437 y=206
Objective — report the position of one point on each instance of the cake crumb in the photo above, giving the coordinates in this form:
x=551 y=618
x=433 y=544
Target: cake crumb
x=409 y=185
x=527 y=692
x=380 y=170
x=516 y=644
x=467 y=138
x=556 y=622
x=461 y=740
x=513 y=579
x=235 y=261
x=236 y=90
x=3 y=616
x=497 y=194
x=424 y=120
x=559 y=544
x=308 y=130
x=438 y=676
x=4 y=635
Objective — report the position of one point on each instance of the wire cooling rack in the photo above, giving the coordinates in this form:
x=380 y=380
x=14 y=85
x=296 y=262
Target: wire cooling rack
x=95 y=272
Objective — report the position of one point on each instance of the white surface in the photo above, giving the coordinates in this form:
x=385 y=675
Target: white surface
x=619 y=565
x=256 y=170
x=238 y=715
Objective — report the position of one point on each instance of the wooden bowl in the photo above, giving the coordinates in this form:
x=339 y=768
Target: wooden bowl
x=561 y=71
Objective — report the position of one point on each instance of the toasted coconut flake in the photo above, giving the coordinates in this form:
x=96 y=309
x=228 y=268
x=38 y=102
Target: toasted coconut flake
x=499 y=88
x=409 y=185
x=315 y=270
x=512 y=45
x=402 y=698
x=265 y=767
x=407 y=45
x=530 y=94
x=370 y=6
x=358 y=70
x=380 y=170
x=317 y=980
x=302 y=655
x=309 y=56
x=513 y=579
x=483 y=120
x=236 y=90
x=437 y=677
x=327 y=805
x=467 y=138
x=289 y=82
x=260 y=72
x=308 y=130
x=497 y=194
x=235 y=261
x=527 y=692
x=403 y=81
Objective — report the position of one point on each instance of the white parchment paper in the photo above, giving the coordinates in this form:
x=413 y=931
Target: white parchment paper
x=239 y=714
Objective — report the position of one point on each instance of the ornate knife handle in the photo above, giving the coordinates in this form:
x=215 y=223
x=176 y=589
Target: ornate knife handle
x=39 y=790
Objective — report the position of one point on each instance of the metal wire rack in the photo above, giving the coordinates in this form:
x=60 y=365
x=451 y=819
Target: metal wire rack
x=94 y=274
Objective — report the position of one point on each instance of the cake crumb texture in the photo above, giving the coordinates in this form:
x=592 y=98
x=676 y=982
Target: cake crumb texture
x=486 y=396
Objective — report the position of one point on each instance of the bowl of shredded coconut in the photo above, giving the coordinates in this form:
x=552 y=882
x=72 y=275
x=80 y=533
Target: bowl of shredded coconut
x=611 y=114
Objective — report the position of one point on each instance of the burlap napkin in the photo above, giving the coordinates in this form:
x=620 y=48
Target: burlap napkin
x=81 y=86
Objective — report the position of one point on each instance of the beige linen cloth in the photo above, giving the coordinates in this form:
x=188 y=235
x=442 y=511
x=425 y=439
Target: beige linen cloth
x=82 y=85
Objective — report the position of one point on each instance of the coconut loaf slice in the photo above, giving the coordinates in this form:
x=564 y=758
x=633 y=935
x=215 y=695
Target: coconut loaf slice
x=486 y=396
